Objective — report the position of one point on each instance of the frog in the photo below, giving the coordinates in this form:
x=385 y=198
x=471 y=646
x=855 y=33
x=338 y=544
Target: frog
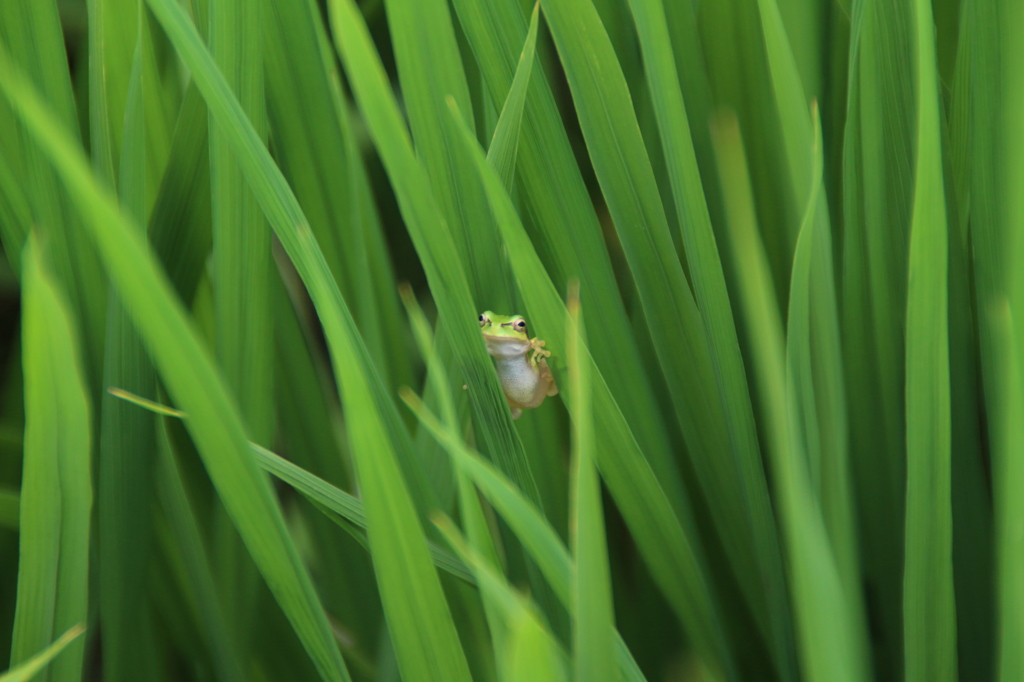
x=521 y=362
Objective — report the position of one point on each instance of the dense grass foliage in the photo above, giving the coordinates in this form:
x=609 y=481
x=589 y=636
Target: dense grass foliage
x=249 y=429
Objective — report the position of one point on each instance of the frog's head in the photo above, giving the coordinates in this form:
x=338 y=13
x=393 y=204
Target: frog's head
x=505 y=335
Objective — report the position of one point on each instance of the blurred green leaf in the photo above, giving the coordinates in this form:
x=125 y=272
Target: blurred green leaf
x=190 y=377
x=735 y=486
x=878 y=165
x=593 y=652
x=828 y=628
x=28 y=670
x=1009 y=328
x=502 y=151
x=127 y=442
x=56 y=489
x=531 y=652
x=929 y=607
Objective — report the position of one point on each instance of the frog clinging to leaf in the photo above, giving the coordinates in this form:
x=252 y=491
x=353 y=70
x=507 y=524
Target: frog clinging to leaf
x=526 y=381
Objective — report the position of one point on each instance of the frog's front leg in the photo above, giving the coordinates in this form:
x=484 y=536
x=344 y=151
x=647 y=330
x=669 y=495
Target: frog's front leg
x=538 y=352
x=538 y=360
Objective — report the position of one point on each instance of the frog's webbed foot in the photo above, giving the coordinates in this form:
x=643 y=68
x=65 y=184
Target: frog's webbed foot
x=538 y=352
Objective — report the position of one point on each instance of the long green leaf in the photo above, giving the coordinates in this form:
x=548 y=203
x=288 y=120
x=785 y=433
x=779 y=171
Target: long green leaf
x=1007 y=473
x=308 y=410
x=242 y=273
x=592 y=589
x=736 y=485
x=814 y=352
x=408 y=582
x=537 y=535
x=313 y=139
x=241 y=240
x=565 y=228
x=817 y=391
x=198 y=574
x=502 y=151
x=127 y=436
x=30 y=668
x=531 y=652
x=929 y=606
x=973 y=539
x=33 y=36
x=190 y=377
x=180 y=220
x=424 y=27
x=665 y=532
x=317 y=490
x=829 y=631
x=56 y=490
x=877 y=176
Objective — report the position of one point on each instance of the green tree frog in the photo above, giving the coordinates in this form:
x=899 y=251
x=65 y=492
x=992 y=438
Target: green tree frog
x=525 y=381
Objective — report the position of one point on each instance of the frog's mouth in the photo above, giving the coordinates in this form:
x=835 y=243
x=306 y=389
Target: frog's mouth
x=505 y=346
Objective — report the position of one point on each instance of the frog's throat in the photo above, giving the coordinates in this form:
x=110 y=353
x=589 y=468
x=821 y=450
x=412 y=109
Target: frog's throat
x=505 y=347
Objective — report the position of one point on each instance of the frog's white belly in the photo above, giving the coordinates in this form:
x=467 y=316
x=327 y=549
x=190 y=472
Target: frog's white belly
x=519 y=381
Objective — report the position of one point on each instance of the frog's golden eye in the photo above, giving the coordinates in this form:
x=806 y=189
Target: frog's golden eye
x=520 y=325
x=484 y=321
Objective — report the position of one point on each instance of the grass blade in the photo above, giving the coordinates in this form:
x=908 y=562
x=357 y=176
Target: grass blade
x=127 y=436
x=180 y=220
x=418 y=616
x=56 y=492
x=462 y=224
x=536 y=534
x=242 y=272
x=817 y=391
x=813 y=345
x=929 y=606
x=30 y=668
x=190 y=377
x=665 y=533
x=183 y=527
x=877 y=180
x=739 y=499
x=318 y=491
x=559 y=210
x=593 y=652
x=827 y=626
x=1007 y=473
x=313 y=140
x=35 y=40
x=625 y=174
x=501 y=153
x=241 y=240
x=531 y=651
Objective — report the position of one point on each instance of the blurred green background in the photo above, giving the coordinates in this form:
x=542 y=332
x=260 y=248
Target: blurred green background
x=249 y=429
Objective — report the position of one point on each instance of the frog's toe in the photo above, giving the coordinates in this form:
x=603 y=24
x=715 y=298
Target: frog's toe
x=552 y=389
x=516 y=413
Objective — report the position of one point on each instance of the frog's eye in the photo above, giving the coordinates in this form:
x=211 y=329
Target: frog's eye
x=484 y=320
x=520 y=325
